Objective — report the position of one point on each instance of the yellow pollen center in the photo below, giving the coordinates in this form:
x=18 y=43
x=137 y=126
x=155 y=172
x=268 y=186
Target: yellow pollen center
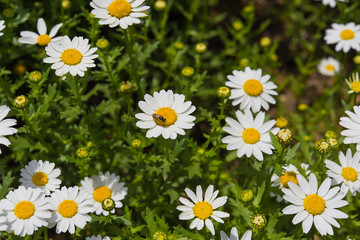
x=203 y=210
x=288 y=177
x=24 y=209
x=355 y=86
x=251 y=135
x=102 y=193
x=68 y=208
x=40 y=179
x=43 y=39
x=349 y=174
x=253 y=87
x=330 y=67
x=119 y=8
x=347 y=34
x=71 y=56
x=314 y=204
x=165 y=116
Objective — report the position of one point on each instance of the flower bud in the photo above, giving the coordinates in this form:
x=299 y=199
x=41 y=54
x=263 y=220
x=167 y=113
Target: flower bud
x=330 y=134
x=82 y=153
x=237 y=25
x=159 y=5
x=281 y=122
x=35 y=76
x=126 y=86
x=187 y=71
x=200 y=48
x=102 y=43
x=284 y=136
x=108 y=204
x=259 y=221
x=136 y=143
x=333 y=143
x=323 y=147
x=159 y=236
x=265 y=41
x=247 y=195
x=66 y=4
x=21 y=101
x=223 y=92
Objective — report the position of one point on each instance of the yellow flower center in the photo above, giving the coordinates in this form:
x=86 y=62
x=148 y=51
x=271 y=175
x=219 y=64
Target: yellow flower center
x=43 y=39
x=347 y=34
x=253 y=87
x=40 y=179
x=314 y=204
x=119 y=8
x=203 y=210
x=71 y=56
x=355 y=86
x=330 y=67
x=102 y=193
x=251 y=135
x=68 y=208
x=24 y=209
x=288 y=177
x=349 y=174
x=165 y=116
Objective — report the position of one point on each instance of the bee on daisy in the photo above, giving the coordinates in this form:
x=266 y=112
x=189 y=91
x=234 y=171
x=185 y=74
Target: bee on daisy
x=73 y=56
x=70 y=208
x=2 y=26
x=41 y=174
x=41 y=38
x=121 y=13
x=248 y=135
x=166 y=114
x=251 y=89
x=26 y=210
x=314 y=205
x=347 y=173
x=345 y=36
x=6 y=126
x=329 y=66
x=102 y=187
x=202 y=208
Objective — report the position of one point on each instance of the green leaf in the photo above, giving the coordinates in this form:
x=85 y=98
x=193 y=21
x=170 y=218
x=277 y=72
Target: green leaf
x=71 y=112
x=259 y=194
x=275 y=142
x=6 y=183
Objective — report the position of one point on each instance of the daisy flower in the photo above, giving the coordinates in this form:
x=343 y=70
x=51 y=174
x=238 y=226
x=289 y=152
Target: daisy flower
x=70 y=208
x=353 y=83
x=348 y=173
x=104 y=186
x=26 y=210
x=42 y=175
x=98 y=237
x=289 y=175
x=345 y=36
x=352 y=123
x=314 y=205
x=248 y=135
x=41 y=38
x=165 y=114
x=202 y=208
x=251 y=89
x=6 y=126
x=331 y=3
x=328 y=66
x=118 y=12
x=234 y=235
x=2 y=26
x=73 y=56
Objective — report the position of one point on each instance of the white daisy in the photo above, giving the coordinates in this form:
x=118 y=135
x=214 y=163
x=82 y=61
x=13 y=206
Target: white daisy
x=352 y=123
x=98 y=237
x=248 y=135
x=26 y=210
x=118 y=12
x=73 y=56
x=234 y=235
x=348 y=173
x=3 y=220
x=331 y=3
x=2 y=26
x=70 y=208
x=41 y=38
x=104 y=186
x=165 y=114
x=345 y=36
x=289 y=175
x=251 y=89
x=353 y=83
x=6 y=126
x=314 y=205
x=202 y=208
x=42 y=175
x=328 y=66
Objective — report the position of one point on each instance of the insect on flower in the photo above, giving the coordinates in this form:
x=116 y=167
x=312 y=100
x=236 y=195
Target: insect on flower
x=158 y=117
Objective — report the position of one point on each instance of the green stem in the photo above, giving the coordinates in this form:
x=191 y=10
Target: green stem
x=129 y=47
x=46 y=237
x=128 y=101
x=74 y=236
